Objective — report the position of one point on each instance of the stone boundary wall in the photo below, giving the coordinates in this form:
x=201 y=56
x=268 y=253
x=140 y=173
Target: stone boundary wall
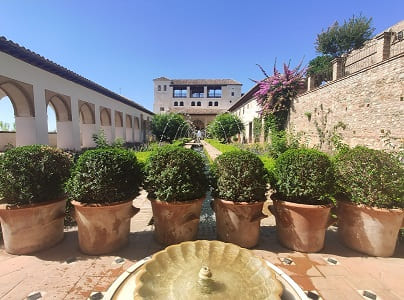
x=368 y=103
x=8 y=137
x=361 y=58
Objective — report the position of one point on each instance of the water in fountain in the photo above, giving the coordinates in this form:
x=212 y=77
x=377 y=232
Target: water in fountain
x=238 y=126
x=164 y=130
x=207 y=221
x=224 y=131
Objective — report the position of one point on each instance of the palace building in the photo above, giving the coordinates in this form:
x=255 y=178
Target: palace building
x=200 y=100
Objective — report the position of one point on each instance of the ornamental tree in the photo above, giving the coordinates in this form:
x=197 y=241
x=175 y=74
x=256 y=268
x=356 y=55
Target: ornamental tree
x=337 y=40
x=224 y=126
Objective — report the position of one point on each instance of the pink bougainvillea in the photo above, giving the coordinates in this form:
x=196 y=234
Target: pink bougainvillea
x=277 y=91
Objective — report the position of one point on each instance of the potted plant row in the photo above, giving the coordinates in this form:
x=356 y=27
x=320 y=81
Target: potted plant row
x=303 y=185
x=33 y=205
x=102 y=186
x=370 y=194
x=239 y=186
x=176 y=182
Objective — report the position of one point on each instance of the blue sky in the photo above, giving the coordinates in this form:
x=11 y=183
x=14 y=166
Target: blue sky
x=123 y=45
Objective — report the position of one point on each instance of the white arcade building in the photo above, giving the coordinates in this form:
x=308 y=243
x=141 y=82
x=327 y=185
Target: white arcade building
x=82 y=107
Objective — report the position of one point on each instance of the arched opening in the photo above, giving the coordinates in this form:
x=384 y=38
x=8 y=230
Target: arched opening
x=105 y=119
x=129 y=129
x=52 y=128
x=198 y=124
x=17 y=112
x=60 y=129
x=7 y=122
x=118 y=125
x=87 y=124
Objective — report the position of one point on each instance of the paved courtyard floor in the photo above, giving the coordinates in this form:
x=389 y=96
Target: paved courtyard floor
x=62 y=272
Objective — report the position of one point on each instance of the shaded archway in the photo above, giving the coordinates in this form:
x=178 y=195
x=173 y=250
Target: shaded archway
x=21 y=97
x=198 y=124
x=64 y=127
x=105 y=119
x=7 y=122
x=129 y=129
x=119 y=125
x=87 y=124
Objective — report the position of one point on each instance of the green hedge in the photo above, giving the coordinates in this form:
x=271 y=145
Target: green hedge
x=175 y=174
x=105 y=176
x=304 y=176
x=33 y=174
x=239 y=176
x=370 y=177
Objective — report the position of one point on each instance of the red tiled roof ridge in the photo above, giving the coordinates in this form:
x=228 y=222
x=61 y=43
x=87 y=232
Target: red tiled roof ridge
x=14 y=49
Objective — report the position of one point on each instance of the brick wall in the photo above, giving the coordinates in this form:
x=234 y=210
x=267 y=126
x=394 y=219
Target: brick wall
x=369 y=102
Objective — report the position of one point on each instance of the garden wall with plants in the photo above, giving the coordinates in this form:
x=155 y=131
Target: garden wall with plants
x=365 y=108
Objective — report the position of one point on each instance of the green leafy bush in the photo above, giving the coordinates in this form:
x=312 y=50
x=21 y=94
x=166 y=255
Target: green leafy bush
x=176 y=174
x=304 y=176
x=370 y=177
x=33 y=174
x=224 y=126
x=239 y=176
x=104 y=176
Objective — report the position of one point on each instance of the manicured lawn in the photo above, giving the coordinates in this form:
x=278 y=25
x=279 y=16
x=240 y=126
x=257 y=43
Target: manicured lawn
x=268 y=162
x=221 y=147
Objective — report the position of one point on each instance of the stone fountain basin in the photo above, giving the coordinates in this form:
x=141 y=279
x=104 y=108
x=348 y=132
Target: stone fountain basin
x=125 y=286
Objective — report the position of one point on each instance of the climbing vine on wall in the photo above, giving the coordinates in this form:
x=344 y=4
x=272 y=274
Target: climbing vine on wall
x=257 y=128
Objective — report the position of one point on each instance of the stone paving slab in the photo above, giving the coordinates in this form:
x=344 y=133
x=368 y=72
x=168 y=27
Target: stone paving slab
x=63 y=272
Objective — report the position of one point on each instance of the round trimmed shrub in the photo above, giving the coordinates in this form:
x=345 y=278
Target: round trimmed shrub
x=175 y=174
x=33 y=174
x=104 y=176
x=304 y=176
x=239 y=176
x=370 y=177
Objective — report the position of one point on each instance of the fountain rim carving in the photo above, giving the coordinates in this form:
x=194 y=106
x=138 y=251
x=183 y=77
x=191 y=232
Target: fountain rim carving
x=125 y=284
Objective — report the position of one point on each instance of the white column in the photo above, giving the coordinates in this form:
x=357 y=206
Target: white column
x=97 y=117
x=64 y=134
x=75 y=142
x=41 y=116
x=112 y=130
x=87 y=131
x=124 y=127
x=135 y=131
x=25 y=131
x=119 y=133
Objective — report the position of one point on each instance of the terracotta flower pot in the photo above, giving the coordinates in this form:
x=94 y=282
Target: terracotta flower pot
x=176 y=222
x=369 y=230
x=301 y=227
x=103 y=228
x=32 y=228
x=238 y=222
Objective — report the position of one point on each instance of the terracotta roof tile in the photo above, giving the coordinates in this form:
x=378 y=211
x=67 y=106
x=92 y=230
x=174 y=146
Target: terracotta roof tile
x=199 y=81
x=197 y=111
